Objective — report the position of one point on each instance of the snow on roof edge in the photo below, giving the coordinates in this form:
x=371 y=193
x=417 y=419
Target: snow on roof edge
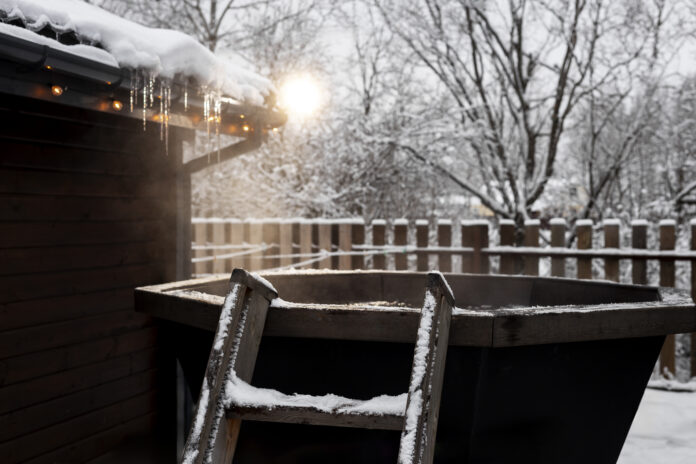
x=165 y=53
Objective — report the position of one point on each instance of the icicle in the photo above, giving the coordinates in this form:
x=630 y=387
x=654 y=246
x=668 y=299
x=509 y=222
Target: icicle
x=206 y=115
x=218 y=119
x=152 y=90
x=145 y=87
x=161 y=110
x=132 y=88
x=167 y=105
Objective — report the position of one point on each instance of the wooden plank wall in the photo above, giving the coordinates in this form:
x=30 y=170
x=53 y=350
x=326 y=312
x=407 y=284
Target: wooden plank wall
x=88 y=212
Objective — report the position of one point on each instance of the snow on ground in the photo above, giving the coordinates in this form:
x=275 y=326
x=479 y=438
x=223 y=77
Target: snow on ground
x=663 y=431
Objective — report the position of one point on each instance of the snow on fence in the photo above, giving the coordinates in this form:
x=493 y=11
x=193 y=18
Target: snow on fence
x=220 y=245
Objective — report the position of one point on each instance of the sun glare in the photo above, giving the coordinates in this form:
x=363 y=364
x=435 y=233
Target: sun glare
x=300 y=95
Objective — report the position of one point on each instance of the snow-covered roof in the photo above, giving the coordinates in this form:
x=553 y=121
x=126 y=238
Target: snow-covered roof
x=110 y=39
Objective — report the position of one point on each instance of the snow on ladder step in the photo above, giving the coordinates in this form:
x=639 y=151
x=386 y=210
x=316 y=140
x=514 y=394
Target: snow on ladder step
x=244 y=401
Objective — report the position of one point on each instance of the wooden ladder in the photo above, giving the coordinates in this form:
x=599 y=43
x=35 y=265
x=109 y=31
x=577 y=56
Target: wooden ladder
x=223 y=402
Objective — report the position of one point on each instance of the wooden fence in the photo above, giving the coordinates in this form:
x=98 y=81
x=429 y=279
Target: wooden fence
x=219 y=245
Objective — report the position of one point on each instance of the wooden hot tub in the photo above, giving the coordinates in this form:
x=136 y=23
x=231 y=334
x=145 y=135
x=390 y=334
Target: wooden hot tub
x=541 y=370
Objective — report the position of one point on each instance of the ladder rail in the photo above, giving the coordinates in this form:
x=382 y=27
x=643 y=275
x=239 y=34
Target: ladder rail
x=417 y=445
x=235 y=346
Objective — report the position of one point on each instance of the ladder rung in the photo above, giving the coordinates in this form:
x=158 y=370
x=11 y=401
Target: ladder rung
x=384 y=412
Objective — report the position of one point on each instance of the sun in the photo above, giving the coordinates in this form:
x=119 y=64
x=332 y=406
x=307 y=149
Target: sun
x=300 y=95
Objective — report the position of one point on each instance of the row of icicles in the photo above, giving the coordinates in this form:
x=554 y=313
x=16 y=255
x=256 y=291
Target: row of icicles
x=142 y=96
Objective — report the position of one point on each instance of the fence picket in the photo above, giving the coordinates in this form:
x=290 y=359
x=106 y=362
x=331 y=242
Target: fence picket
x=285 y=243
x=531 y=239
x=422 y=239
x=639 y=240
x=345 y=236
x=444 y=239
x=401 y=239
x=255 y=238
x=475 y=235
x=236 y=240
x=611 y=240
x=379 y=228
x=324 y=241
x=306 y=241
x=507 y=238
x=583 y=228
x=558 y=231
x=200 y=239
x=358 y=238
x=218 y=240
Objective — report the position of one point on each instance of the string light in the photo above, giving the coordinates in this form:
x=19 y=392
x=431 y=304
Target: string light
x=48 y=66
x=117 y=105
x=245 y=128
x=57 y=90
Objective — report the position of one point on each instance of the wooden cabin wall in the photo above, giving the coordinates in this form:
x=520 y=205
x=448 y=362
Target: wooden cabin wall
x=88 y=211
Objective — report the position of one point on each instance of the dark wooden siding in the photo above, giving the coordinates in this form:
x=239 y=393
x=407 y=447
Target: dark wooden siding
x=88 y=211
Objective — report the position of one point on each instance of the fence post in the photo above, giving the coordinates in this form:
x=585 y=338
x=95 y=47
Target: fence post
x=306 y=241
x=583 y=228
x=345 y=238
x=444 y=239
x=531 y=239
x=285 y=243
x=558 y=231
x=422 y=238
x=507 y=238
x=401 y=239
x=692 y=224
x=324 y=241
x=639 y=240
x=358 y=237
x=475 y=235
x=379 y=229
x=611 y=240
x=667 y=242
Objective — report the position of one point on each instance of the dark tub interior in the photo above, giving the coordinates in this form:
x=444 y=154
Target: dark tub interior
x=468 y=289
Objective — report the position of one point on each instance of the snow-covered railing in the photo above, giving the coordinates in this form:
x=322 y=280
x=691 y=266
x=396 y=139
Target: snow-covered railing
x=220 y=245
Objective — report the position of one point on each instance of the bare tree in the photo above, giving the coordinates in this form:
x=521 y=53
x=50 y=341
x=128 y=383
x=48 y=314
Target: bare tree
x=517 y=71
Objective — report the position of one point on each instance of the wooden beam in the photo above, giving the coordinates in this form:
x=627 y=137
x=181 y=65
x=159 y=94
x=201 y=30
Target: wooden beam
x=303 y=415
